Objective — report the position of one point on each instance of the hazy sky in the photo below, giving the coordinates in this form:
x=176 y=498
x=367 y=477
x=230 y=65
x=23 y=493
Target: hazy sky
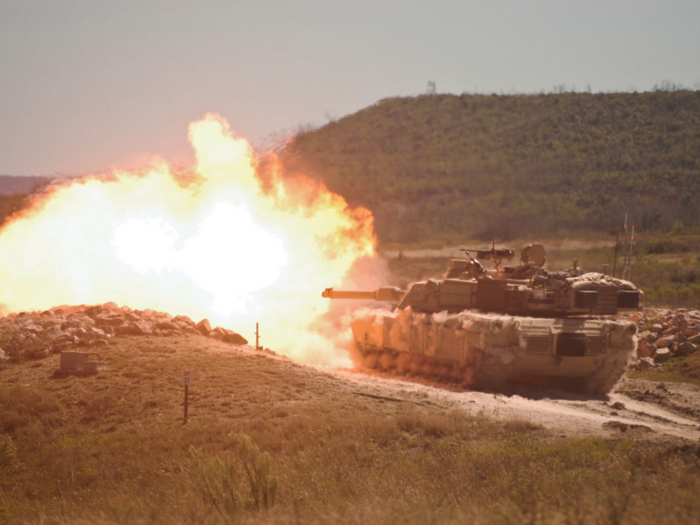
x=85 y=85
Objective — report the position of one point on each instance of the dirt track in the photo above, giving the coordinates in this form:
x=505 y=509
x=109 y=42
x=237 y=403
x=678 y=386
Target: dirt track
x=455 y=251
x=636 y=409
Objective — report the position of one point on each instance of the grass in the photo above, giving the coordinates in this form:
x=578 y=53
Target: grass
x=270 y=441
x=685 y=370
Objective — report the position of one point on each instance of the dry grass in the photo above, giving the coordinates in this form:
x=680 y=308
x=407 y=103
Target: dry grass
x=270 y=441
x=683 y=370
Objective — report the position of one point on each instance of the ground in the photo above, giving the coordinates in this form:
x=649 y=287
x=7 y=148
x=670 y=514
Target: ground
x=650 y=410
x=345 y=446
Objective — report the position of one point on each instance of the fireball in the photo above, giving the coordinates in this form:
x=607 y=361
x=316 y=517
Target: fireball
x=214 y=242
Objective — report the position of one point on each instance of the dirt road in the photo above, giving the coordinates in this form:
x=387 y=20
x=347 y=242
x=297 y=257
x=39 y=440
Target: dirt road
x=456 y=252
x=635 y=409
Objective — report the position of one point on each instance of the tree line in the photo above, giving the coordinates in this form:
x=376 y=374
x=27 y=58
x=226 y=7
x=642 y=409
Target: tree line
x=507 y=166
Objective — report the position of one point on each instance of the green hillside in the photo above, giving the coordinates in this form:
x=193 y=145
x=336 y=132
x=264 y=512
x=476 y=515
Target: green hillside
x=507 y=166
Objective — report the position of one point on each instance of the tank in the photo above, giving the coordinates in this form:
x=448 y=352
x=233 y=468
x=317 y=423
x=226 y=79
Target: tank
x=483 y=327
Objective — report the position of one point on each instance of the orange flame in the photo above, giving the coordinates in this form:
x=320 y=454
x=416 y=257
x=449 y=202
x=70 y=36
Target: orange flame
x=215 y=244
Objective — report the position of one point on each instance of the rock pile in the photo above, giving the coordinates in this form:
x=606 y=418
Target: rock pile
x=39 y=334
x=666 y=333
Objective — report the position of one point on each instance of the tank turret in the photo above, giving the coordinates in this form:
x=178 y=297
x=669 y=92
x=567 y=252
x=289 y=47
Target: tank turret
x=527 y=289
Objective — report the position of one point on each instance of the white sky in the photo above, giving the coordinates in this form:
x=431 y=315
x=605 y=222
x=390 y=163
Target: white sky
x=85 y=85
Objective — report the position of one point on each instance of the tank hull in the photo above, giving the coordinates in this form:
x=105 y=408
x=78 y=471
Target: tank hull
x=485 y=350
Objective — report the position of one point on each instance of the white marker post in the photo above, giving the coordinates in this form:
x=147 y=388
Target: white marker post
x=187 y=378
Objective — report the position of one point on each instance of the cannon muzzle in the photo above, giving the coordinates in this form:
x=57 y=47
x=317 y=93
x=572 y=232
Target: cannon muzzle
x=390 y=294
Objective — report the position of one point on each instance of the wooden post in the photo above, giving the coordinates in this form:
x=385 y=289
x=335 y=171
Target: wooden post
x=617 y=242
x=186 y=399
x=186 y=379
x=627 y=268
x=257 y=336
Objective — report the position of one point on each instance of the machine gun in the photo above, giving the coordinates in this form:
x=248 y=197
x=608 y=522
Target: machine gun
x=495 y=255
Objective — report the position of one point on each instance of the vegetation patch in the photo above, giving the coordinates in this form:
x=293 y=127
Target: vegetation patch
x=511 y=166
x=685 y=370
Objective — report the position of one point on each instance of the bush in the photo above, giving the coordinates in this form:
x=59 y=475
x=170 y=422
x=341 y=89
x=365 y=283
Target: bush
x=9 y=464
x=22 y=345
x=222 y=481
x=216 y=480
x=258 y=469
x=20 y=406
x=662 y=246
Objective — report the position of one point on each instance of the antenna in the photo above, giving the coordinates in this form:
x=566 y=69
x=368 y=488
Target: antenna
x=627 y=267
x=431 y=87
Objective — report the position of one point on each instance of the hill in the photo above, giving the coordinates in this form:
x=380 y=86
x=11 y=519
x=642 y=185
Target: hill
x=14 y=191
x=271 y=441
x=21 y=185
x=505 y=166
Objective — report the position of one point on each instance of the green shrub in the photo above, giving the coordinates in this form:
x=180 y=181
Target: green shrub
x=215 y=478
x=241 y=478
x=9 y=464
x=18 y=344
x=258 y=469
x=20 y=406
x=661 y=246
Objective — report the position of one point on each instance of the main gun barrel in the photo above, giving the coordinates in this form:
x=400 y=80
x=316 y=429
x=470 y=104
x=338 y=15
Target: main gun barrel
x=385 y=293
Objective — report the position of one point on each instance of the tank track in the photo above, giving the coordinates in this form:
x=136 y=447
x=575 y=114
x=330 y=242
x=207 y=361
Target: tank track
x=483 y=351
x=610 y=372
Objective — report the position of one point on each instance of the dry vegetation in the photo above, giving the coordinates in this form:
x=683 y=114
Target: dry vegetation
x=685 y=370
x=271 y=441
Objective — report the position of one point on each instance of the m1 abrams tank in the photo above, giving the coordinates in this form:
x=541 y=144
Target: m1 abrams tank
x=483 y=327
